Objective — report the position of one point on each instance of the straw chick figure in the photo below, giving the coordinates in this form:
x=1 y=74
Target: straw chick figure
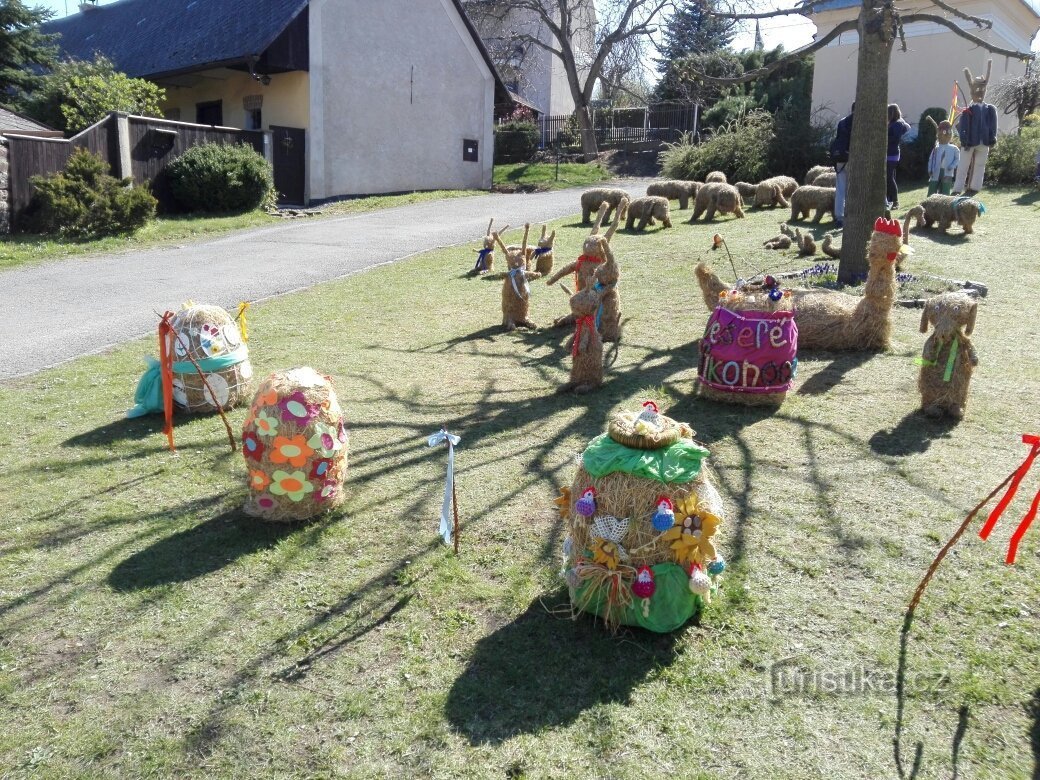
x=486 y=256
x=832 y=320
x=593 y=253
x=516 y=293
x=586 y=345
x=948 y=357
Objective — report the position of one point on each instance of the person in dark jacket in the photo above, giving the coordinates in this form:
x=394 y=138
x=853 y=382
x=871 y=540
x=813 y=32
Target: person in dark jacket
x=840 y=147
x=977 y=128
x=897 y=128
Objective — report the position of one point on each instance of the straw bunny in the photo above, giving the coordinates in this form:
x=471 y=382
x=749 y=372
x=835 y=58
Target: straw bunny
x=543 y=253
x=486 y=256
x=586 y=345
x=516 y=293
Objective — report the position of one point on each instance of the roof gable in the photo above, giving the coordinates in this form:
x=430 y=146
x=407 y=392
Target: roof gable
x=152 y=38
x=13 y=122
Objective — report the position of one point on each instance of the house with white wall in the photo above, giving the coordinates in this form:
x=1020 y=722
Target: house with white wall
x=360 y=97
x=922 y=77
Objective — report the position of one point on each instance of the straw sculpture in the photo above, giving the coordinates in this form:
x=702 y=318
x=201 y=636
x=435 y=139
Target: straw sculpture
x=829 y=248
x=809 y=197
x=486 y=255
x=715 y=176
x=778 y=242
x=832 y=320
x=748 y=353
x=816 y=171
x=591 y=200
x=516 y=292
x=806 y=243
x=747 y=191
x=946 y=210
x=949 y=357
x=675 y=189
x=593 y=253
x=608 y=315
x=642 y=515
x=295 y=445
x=211 y=337
x=826 y=179
x=775 y=191
x=543 y=253
x=717 y=197
x=646 y=210
x=586 y=345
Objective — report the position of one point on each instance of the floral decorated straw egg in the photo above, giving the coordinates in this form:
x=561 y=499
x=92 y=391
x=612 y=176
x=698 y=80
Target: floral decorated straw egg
x=295 y=445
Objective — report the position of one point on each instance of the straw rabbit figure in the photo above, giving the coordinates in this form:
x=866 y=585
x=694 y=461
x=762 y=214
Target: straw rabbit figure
x=608 y=315
x=949 y=357
x=593 y=253
x=516 y=293
x=543 y=253
x=832 y=320
x=486 y=256
x=586 y=345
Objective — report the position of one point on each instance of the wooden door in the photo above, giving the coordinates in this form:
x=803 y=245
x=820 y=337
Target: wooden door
x=290 y=159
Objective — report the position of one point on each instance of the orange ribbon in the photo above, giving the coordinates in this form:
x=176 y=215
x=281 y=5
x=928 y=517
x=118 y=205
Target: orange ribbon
x=1030 y=515
x=166 y=363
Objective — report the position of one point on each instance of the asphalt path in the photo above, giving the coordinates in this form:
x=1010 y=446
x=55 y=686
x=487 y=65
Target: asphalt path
x=58 y=311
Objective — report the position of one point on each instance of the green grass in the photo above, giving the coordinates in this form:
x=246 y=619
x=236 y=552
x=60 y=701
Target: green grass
x=544 y=175
x=26 y=249
x=148 y=629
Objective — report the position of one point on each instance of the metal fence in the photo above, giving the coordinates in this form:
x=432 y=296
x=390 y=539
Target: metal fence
x=620 y=126
x=133 y=146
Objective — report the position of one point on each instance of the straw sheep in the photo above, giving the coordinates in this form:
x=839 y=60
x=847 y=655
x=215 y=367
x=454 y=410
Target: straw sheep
x=647 y=209
x=591 y=200
x=944 y=209
x=808 y=197
x=747 y=191
x=949 y=357
x=774 y=191
x=713 y=197
x=826 y=179
x=675 y=189
x=815 y=171
x=715 y=176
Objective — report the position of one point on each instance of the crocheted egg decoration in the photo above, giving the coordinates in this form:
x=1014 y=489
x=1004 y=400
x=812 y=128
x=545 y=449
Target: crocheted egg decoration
x=586 y=504
x=664 y=517
x=643 y=586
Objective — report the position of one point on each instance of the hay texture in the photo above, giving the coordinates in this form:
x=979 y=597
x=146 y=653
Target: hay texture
x=746 y=190
x=829 y=248
x=640 y=549
x=717 y=197
x=949 y=357
x=810 y=198
x=748 y=354
x=675 y=189
x=591 y=200
x=295 y=444
x=516 y=292
x=643 y=212
x=944 y=210
x=775 y=191
x=608 y=278
x=715 y=176
x=586 y=345
x=832 y=320
x=542 y=255
x=210 y=336
x=486 y=254
x=816 y=171
x=826 y=179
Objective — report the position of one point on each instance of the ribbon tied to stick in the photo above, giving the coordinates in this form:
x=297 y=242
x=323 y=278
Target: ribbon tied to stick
x=443 y=437
x=1031 y=513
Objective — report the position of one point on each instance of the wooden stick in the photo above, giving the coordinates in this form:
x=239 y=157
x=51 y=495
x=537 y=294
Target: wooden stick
x=455 y=510
x=213 y=397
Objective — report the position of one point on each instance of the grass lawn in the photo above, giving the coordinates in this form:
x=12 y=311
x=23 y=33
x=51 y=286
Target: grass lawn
x=148 y=629
x=24 y=249
x=545 y=174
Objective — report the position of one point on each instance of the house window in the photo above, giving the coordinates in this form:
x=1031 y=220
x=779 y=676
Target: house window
x=172 y=113
x=254 y=119
x=209 y=113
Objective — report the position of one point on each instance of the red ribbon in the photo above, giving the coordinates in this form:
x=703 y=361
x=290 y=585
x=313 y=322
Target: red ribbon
x=589 y=322
x=577 y=271
x=998 y=510
x=166 y=363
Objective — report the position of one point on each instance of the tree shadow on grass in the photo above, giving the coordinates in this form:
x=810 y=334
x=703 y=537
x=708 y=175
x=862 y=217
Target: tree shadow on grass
x=199 y=550
x=913 y=434
x=840 y=364
x=541 y=671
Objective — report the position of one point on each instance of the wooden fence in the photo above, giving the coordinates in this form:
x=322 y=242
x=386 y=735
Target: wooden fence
x=138 y=147
x=619 y=126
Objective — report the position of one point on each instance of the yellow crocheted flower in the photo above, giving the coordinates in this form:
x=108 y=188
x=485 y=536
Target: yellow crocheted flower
x=691 y=535
x=605 y=553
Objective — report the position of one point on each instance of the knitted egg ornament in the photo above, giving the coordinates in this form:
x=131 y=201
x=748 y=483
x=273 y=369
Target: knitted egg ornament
x=295 y=445
x=586 y=505
x=664 y=517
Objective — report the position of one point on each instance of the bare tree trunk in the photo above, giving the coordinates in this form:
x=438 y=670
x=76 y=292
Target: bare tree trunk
x=866 y=188
x=589 y=147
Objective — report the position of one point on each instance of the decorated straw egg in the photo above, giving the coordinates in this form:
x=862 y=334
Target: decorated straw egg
x=210 y=337
x=295 y=445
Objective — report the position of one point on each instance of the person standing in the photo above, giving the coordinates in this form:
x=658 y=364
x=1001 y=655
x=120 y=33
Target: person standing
x=840 y=159
x=897 y=128
x=977 y=128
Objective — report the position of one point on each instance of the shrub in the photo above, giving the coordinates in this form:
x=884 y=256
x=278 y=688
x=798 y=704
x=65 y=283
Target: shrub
x=739 y=149
x=1013 y=160
x=516 y=141
x=914 y=160
x=217 y=178
x=85 y=201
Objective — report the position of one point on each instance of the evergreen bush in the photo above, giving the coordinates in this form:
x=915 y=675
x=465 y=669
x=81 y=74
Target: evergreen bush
x=221 y=178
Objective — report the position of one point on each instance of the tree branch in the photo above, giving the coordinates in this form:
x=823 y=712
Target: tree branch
x=751 y=75
x=984 y=23
x=803 y=10
x=1018 y=55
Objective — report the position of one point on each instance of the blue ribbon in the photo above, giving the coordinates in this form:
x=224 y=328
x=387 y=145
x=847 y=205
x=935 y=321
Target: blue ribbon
x=539 y=251
x=439 y=438
x=481 y=255
x=597 y=286
x=962 y=198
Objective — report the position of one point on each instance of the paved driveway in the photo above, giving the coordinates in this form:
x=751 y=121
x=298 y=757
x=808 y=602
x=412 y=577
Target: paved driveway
x=58 y=311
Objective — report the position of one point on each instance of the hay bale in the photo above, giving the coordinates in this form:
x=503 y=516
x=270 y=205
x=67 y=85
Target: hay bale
x=641 y=524
x=210 y=336
x=295 y=444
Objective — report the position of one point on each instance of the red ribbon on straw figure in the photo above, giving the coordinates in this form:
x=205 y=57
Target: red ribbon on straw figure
x=998 y=510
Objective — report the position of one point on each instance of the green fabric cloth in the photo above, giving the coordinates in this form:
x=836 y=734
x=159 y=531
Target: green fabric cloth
x=148 y=395
x=675 y=464
x=672 y=604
